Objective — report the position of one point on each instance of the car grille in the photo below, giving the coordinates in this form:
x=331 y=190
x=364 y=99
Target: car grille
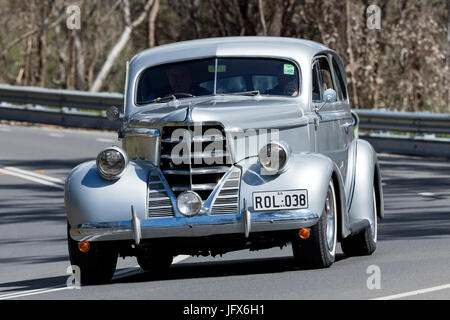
x=159 y=204
x=196 y=163
x=227 y=201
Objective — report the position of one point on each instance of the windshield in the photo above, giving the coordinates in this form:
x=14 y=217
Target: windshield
x=218 y=76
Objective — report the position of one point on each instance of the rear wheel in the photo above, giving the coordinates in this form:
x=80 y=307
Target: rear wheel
x=365 y=242
x=96 y=266
x=155 y=260
x=319 y=250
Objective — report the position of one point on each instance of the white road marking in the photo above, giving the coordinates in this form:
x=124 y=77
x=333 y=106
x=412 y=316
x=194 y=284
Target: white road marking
x=56 y=135
x=34 y=174
x=5 y=129
x=413 y=293
x=32 y=292
x=427 y=194
x=105 y=140
x=30 y=178
x=119 y=274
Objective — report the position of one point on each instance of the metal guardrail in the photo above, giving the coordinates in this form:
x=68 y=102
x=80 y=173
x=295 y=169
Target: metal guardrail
x=59 y=98
x=414 y=122
x=382 y=128
x=71 y=104
x=379 y=124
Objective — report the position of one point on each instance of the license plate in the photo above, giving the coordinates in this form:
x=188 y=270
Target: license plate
x=280 y=200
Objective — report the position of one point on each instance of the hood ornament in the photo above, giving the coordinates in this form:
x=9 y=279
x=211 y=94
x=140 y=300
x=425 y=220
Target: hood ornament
x=189 y=113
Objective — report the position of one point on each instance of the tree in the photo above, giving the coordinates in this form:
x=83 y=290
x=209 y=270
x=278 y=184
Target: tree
x=120 y=44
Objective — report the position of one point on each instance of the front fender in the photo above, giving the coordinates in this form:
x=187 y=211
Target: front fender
x=88 y=197
x=304 y=171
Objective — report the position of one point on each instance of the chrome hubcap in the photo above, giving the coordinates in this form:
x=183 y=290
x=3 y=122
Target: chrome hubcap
x=330 y=219
x=373 y=223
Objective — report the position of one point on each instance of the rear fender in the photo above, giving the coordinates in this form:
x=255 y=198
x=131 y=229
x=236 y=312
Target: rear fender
x=367 y=176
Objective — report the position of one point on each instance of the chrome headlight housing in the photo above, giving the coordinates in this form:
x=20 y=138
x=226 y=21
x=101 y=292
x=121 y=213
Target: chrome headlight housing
x=111 y=163
x=274 y=157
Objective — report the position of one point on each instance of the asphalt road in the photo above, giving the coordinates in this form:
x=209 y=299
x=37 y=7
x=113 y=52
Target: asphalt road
x=413 y=241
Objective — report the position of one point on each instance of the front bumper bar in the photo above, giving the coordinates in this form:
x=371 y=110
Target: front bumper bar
x=197 y=226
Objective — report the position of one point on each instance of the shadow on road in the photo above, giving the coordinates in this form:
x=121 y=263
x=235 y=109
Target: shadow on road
x=227 y=268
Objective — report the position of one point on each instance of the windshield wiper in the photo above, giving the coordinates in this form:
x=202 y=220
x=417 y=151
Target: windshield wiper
x=164 y=99
x=246 y=93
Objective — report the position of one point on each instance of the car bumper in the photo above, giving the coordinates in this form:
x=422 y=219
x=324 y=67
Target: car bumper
x=199 y=226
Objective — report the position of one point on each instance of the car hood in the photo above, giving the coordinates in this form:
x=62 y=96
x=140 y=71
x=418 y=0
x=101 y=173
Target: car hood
x=233 y=113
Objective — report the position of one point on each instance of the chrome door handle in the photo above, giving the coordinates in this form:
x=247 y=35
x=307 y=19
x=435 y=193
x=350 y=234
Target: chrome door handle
x=347 y=125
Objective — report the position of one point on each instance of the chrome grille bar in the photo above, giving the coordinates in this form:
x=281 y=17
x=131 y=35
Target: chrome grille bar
x=195 y=187
x=159 y=203
x=227 y=201
x=195 y=171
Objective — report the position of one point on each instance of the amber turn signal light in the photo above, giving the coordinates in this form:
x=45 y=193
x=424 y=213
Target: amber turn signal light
x=304 y=233
x=84 y=246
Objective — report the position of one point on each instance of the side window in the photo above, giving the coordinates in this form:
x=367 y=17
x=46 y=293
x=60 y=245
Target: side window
x=327 y=80
x=321 y=78
x=316 y=95
x=342 y=91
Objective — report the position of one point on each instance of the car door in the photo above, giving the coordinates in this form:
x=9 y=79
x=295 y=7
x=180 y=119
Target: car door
x=347 y=122
x=331 y=136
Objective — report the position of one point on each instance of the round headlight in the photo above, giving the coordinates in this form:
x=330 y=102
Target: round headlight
x=111 y=163
x=189 y=203
x=273 y=157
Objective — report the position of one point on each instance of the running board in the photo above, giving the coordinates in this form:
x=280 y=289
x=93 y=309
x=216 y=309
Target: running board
x=359 y=225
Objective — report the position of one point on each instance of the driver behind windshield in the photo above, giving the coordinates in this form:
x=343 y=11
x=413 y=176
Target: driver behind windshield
x=179 y=84
x=180 y=81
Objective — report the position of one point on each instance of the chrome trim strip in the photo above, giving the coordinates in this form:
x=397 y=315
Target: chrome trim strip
x=160 y=198
x=233 y=204
x=156 y=190
x=195 y=139
x=138 y=132
x=196 y=155
x=196 y=171
x=160 y=207
x=194 y=187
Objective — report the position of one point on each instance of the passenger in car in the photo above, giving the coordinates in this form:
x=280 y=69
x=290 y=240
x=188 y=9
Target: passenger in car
x=286 y=86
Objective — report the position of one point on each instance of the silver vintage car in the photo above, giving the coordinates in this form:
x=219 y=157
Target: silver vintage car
x=227 y=144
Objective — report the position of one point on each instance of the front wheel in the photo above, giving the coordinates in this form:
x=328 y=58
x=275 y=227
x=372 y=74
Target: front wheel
x=319 y=250
x=96 y=266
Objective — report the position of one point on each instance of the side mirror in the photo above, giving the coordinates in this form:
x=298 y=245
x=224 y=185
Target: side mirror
x=330 y=96
x=113 y=113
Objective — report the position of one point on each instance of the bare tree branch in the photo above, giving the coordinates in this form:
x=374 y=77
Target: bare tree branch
x=151 y=23
x=261 y=16
x=118 y=47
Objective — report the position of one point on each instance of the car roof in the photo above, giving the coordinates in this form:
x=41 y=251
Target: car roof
x=229 y=46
